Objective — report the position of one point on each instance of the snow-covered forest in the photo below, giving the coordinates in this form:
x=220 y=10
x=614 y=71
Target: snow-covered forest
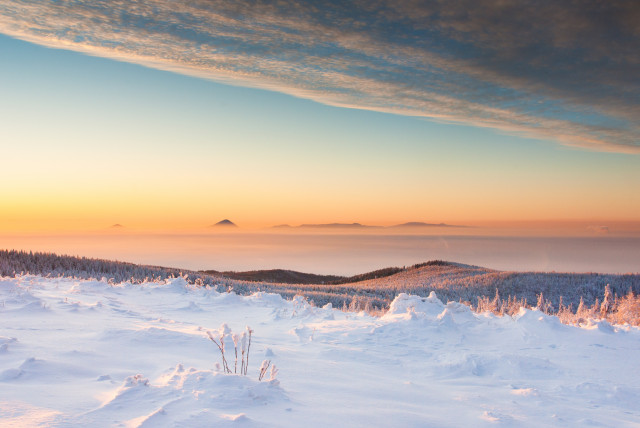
x=572 y=296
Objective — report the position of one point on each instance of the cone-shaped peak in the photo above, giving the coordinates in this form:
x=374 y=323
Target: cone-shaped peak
x=225 y=223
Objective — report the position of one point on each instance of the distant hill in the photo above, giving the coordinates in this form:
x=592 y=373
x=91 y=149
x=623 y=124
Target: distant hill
x=359 y=226
x=328 y=226
x=282 y=276
x=334 y=225
x=224 y=223
x=278 y=276
x=116 y=226
x=459 y=282
x=418 y=224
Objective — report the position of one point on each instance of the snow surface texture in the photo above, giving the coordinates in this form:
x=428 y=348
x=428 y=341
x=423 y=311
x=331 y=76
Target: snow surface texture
x=76 y=352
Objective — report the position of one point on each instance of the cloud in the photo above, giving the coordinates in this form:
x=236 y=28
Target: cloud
x=545 y=69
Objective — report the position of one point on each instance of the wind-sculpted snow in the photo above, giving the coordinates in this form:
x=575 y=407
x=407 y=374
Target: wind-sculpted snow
x=90 y=353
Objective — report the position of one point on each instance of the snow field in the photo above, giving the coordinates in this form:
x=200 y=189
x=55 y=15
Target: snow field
x=78 y=352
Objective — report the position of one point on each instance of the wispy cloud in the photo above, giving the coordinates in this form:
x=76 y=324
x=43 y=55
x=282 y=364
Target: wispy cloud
x=546 y=69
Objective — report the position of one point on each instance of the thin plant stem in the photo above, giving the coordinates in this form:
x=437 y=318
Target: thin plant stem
x=225 y=366
x=263 y=369
x=246 y=367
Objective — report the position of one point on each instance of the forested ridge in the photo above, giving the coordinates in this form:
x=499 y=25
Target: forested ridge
x=572 y=295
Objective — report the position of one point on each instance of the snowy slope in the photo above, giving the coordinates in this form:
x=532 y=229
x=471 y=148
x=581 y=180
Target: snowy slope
x=86 y=353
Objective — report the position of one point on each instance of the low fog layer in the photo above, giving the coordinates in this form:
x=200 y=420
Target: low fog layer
x=346 y=254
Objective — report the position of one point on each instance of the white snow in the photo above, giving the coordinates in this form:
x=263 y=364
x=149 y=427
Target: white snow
x=86 y=353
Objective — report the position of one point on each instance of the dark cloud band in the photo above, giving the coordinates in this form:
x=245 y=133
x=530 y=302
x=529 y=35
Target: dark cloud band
x=567 y=71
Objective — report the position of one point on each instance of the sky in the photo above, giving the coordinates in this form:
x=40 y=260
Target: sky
x=171 y=115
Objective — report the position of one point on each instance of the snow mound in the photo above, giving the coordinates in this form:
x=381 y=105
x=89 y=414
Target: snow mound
x=5 y=342
x=89 y=287
x=416 y=306
x=182 y=395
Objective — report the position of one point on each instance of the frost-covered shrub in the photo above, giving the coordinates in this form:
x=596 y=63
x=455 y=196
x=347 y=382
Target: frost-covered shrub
x=223 y=337
x=627 y=310
x=264 y=367
x=241 y=343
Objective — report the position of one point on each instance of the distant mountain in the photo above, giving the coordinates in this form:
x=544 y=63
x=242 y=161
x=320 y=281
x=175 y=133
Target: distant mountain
x=116 y=226
x=224 y=223
x=336 y=226
x=422 y=224
x=411 y=224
